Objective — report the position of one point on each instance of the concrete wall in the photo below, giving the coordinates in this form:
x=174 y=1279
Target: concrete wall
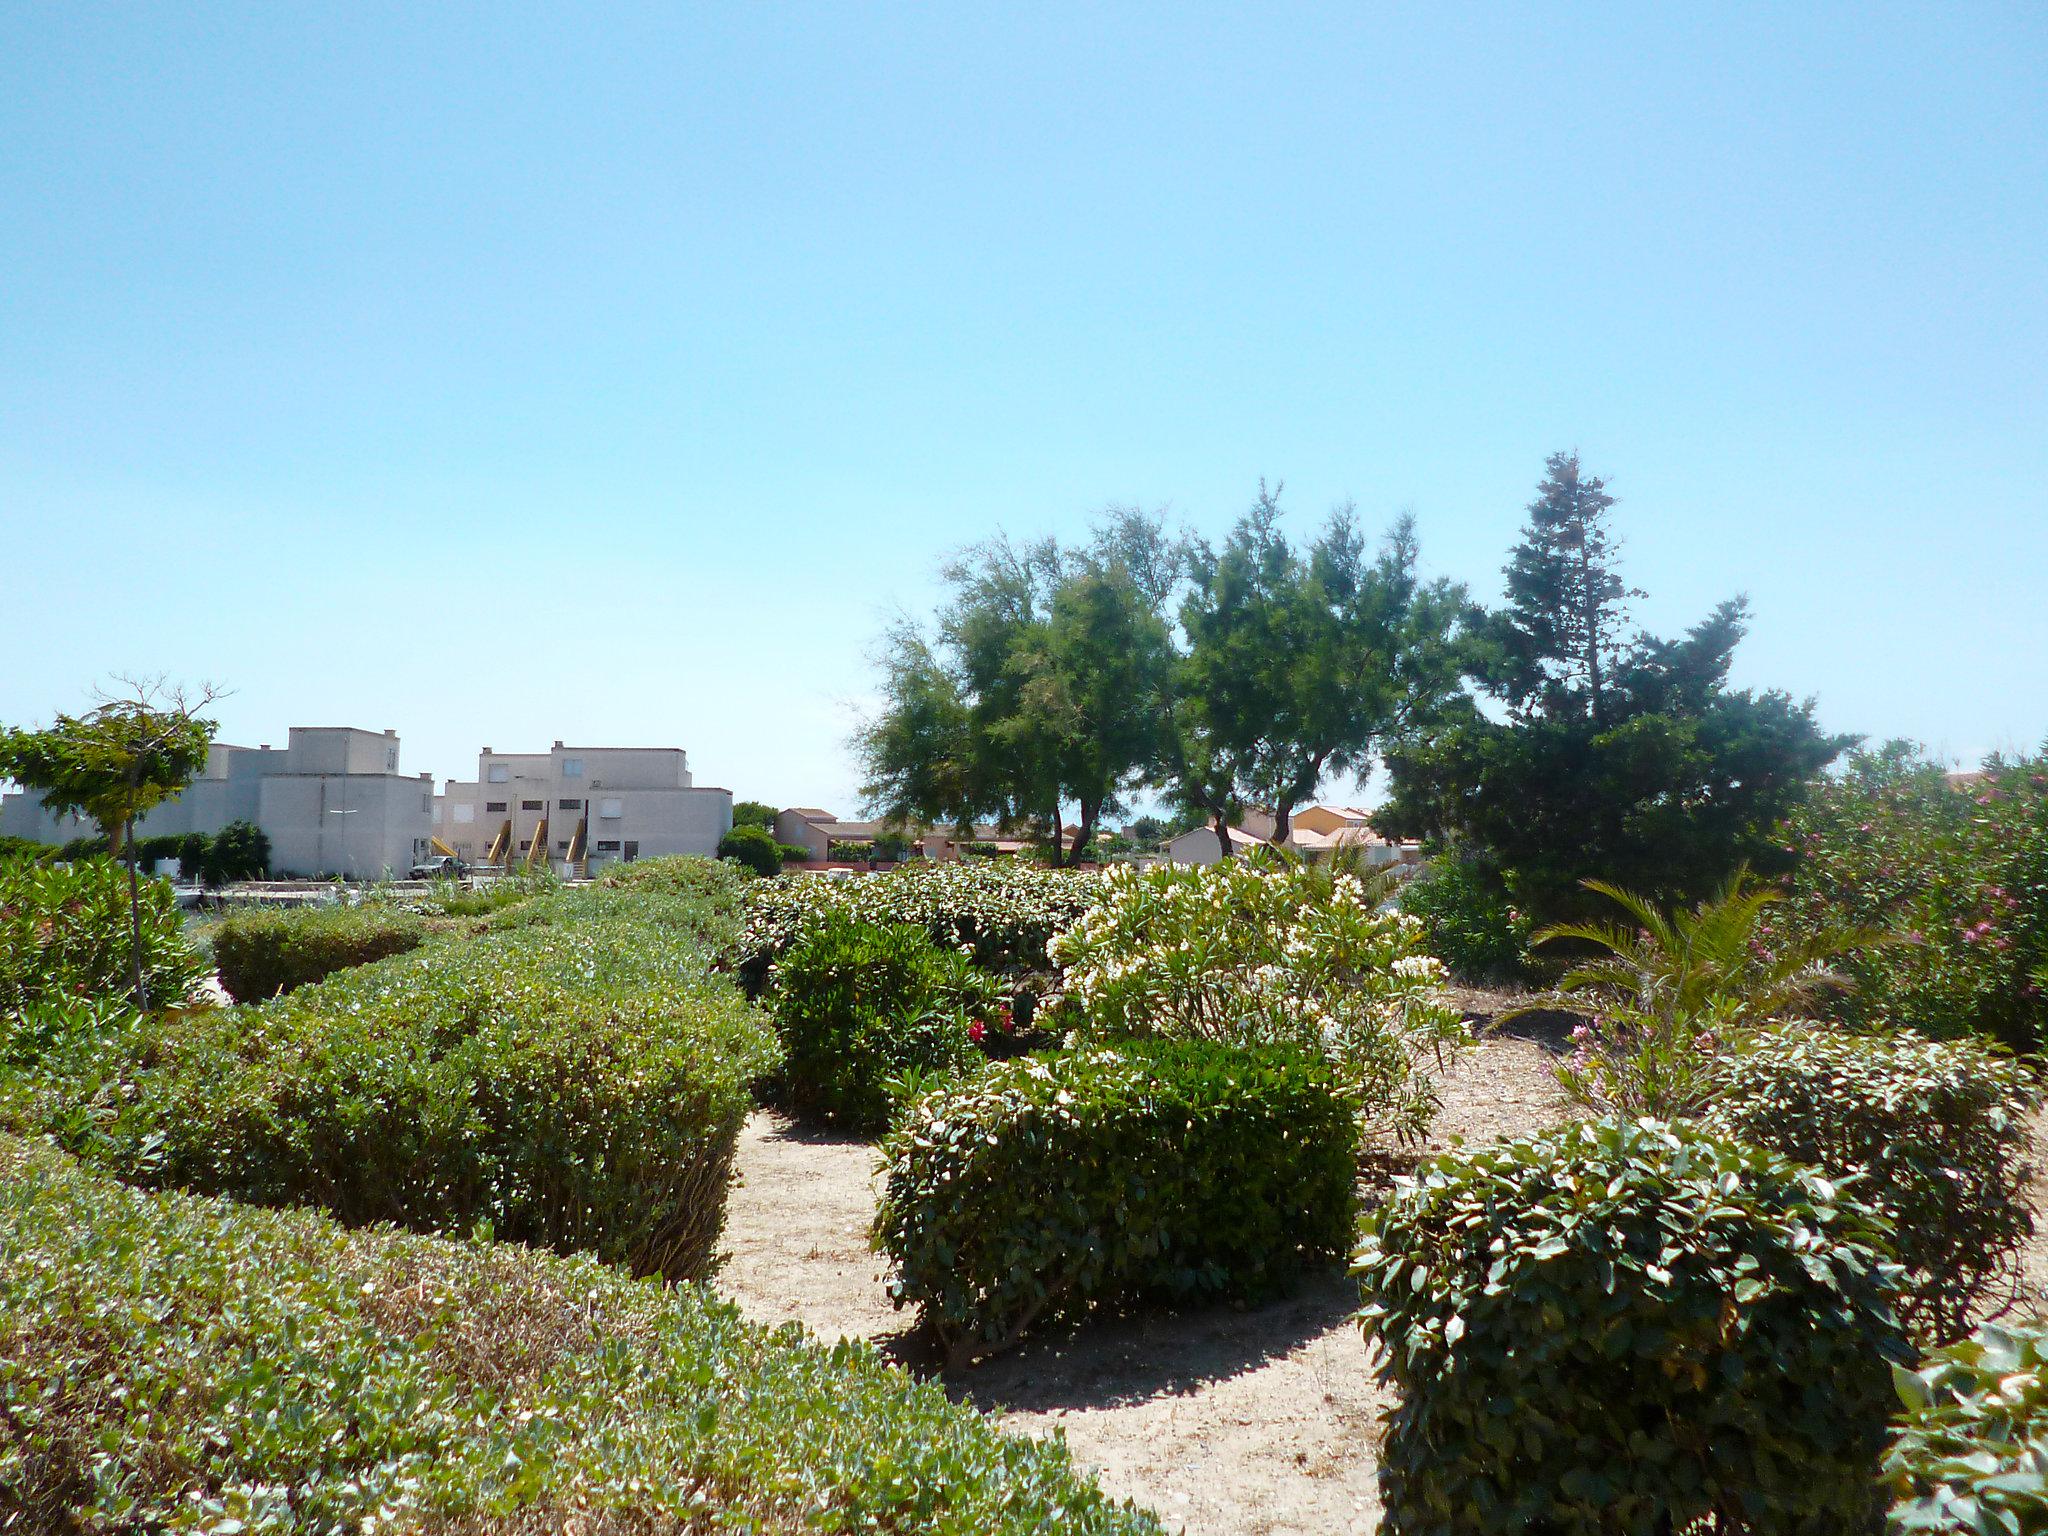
x=656 y=810
x=792 y=828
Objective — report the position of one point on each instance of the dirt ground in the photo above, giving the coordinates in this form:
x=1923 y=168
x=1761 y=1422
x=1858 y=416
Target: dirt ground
x=1224 y=1422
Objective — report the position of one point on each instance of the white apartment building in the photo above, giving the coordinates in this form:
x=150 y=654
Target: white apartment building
x=575 y=807
x=332 y=802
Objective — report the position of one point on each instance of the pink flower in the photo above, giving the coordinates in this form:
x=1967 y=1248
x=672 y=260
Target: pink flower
x=977 y=1031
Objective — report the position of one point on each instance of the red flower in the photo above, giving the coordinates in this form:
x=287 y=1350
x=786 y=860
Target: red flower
x=977 y=1031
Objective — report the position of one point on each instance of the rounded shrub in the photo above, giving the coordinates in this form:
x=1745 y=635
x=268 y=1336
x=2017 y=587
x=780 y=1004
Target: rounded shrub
x=1935 y=1133
x=265 y=953
x=1971 y=1451
x=1049 y=1187
x=755 y=847
x=861 y=1005
x=1629 y=1327
x=1469 y=921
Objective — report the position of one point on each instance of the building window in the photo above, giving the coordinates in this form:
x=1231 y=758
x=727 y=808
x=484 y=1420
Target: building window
x=533 y=805
x=611 y=810
x=427 y=801
x=562 y=846
x=525 y=843
x=391 y=760
x=569 y=805
x=499 y=773
x=632 y=851
x=572 y=767
x=606 y=847
x=465 y=814
x=490 y=806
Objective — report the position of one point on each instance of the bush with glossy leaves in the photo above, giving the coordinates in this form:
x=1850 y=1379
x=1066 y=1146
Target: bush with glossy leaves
x=862 y=1005
x=1629 y=1329
x=1971 y=1451
x=1935 y=1132
x=1051 y=1187
x=64 y=933
x=181 y=1364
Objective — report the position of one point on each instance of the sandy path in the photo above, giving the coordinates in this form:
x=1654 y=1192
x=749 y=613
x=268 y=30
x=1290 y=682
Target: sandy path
x=1225 y=1422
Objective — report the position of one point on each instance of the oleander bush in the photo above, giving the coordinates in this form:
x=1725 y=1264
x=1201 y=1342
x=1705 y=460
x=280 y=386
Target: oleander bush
x=266 y=953
x=176 y=1364
x=1249 y=952
x=1935 y=1133
x=1971 y=1450
x=64 y=932
x=1957 y=876
x=861 y=1005
x=1629 y=1327
x=999 y=913
x=577 y=1081
x=1051 y=1187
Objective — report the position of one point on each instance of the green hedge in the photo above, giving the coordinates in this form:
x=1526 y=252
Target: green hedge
x=859 y=1006
x=577 y=1081
x=64 y=933
x=262 y=954
x=1935 y=1132
x=1971 y=1451
x=1051 y=1187
x=1628 y=1329
x=177 y=1364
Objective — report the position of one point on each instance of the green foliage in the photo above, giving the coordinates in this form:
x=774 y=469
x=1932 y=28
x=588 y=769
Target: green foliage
x=753 y=813
x=1935 y=1133
x=576 y=1077
x=1631 y=761
x=754 y=848
x=65 y=932
x=793 y=853
x=262 y=954
x=1971 y=1452
x=1664 y=991
x=1051 y=1187
x=1039 y=693
x=1001 y=913
x=1247 y=952
x=176 y=1364
x=238 y=851
x=1468 y=920
x=26 y=848
x=861 y=1004
x=1300 y=662
x=1957 y=876
x=1624 y=1329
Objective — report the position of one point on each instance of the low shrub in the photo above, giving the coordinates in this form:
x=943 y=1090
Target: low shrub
x=1248 y=953
x=180 y=1364
x=266 y=953
x=1000 y=913
x=754 y=848
x=793 y=853
x=1936 y=1134
x=1469 y=921
x=65 y=932
x=859 y=1005
x=1050 y=1187
x=1627 y=1327
x=578 y=1081
x=1971 y=1451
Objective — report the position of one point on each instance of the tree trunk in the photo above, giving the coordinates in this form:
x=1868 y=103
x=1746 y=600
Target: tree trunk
x=1221 y=824
x=1085 y=832
x=134 y=915
x=1283 y=822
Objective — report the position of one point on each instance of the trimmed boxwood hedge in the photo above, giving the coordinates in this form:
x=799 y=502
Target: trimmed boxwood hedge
x=1630 y=1329
x=576 y=1080
x=267 y=953
x=1050 y=1187
x=171 y=1363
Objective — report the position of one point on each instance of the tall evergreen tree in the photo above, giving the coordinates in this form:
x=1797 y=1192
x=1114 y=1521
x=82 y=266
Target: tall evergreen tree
x=1615 y=756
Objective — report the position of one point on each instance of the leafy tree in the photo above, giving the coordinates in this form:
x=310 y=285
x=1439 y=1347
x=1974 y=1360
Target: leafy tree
x=1037 y=697
x=1628 y=760
x=752 y=813
x=238 y=851
x=1301 y=663
x=113 y=765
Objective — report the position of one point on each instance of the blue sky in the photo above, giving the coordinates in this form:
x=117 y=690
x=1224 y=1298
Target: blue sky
x=500 y=374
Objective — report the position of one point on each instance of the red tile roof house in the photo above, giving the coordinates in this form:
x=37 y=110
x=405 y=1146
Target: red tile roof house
x=815 y=831
x=1312 y=832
